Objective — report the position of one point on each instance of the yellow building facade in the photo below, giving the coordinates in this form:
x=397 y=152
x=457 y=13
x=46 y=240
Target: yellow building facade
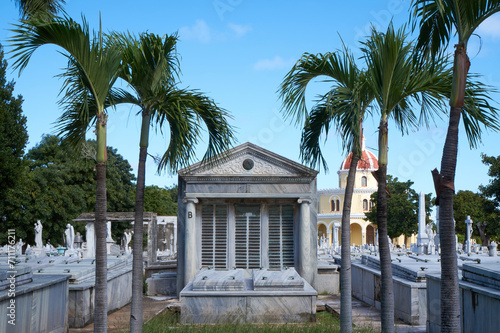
x=331 y=201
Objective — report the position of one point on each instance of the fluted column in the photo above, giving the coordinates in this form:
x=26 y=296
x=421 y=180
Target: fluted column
x=190 y=240
x=305 y=249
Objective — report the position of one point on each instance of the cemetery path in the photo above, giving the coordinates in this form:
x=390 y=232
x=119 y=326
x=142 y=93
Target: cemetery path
x=119 y=320
x=363 y=315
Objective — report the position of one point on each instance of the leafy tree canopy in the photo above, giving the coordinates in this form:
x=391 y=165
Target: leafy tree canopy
x=162 y=201
x=60 y=184
x=402 y=208
x=13 y=139
x=480 y=209
x=492 y=190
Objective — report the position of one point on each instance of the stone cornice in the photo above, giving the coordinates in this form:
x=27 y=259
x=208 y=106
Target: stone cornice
x=327 y=191
x=339 y=216
x=247 y=179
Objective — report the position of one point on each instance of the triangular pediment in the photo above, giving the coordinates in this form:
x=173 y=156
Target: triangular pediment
x=250 y=160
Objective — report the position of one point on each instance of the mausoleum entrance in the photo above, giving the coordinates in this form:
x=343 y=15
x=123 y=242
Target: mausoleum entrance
x=248 y=234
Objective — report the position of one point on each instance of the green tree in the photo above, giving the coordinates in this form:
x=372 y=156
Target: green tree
x=159 y=200
x=342 y=107
x=93 y=68
x=492 y=189
x=402 y=208
x=438 y=21
x=13 y=140
x=399 y=80
x=151 y=70
x=30 y=8
x=481 y=210
x=59 y=186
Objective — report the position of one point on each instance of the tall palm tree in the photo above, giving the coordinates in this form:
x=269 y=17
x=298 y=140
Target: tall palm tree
x=151 y=70
x=92 y=71
x=398 y=80
x=344 y=107
x=30 y=8
x=438 y=20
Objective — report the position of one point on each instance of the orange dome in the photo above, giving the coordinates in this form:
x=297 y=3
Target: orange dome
x=368 y=160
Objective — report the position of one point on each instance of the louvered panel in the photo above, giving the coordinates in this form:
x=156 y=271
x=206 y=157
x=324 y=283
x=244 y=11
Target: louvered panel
x=247 y=236
x=281 y=236
x=214 y=236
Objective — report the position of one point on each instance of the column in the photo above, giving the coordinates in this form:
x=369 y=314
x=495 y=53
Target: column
x=190 y=268
x=363 y=235
x=468 y=222
x=305 y=249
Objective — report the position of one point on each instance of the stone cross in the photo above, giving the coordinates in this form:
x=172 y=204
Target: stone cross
x=469 y=234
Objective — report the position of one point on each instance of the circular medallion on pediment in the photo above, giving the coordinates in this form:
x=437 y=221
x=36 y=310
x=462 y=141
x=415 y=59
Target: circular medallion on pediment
x=248 y=164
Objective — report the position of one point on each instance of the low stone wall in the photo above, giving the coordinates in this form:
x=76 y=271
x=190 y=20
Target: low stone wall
x=328 y=281
x=81 y=296
x=410 y=298
x=479 y=299
x=160 y=267
x=162 y=284
x=40 y=306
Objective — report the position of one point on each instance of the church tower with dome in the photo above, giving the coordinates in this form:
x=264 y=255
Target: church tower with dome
x=331 y=202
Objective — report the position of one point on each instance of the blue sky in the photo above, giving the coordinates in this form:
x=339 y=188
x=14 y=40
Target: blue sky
x=238 y=52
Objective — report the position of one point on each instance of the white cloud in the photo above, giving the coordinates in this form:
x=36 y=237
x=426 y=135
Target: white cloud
x=200 y=31
x=276 y=63
x=490 y=27
x=238 y=29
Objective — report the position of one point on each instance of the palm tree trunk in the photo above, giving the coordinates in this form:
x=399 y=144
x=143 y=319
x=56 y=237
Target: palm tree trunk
x=345 y=272
x=136 y=316
x=450 y=306
x=386 y=289
x=101 y=269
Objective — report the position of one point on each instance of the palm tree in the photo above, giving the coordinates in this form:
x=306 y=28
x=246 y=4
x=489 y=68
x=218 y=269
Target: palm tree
x=92 y=71
x=151 y=70
x=398 y=80
x=438 y=20
x=30 y=8
x=344 y=107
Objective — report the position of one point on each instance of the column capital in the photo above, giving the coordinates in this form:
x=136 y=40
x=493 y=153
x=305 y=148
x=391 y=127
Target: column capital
x=190 y=199
x=304 y=201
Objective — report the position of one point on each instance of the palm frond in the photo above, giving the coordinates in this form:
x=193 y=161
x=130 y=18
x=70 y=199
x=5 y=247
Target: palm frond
x=184 y=111
x=99 y=63
x=438 y=20
x=478 y=112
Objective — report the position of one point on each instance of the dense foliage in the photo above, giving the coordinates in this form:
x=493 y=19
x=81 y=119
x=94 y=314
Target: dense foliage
x=402 y=208
x=59 y=184
x=13 y=140
x=162 y=201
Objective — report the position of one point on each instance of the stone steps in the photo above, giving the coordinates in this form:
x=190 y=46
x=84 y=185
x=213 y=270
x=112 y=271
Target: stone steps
x=363 y=315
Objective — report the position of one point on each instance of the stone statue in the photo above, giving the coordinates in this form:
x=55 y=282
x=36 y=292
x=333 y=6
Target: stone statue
x=90 y=237
x=429 y=231
x=78 y=240
x=70 y=236
x=128 y=237
x=38 y=234
x=19 y=246
x=108 y=232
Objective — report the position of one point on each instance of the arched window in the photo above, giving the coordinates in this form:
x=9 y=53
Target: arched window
x=332 y=203
x=371 y=205
x=338 y=205
x=365 y=204
x=364 y=181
